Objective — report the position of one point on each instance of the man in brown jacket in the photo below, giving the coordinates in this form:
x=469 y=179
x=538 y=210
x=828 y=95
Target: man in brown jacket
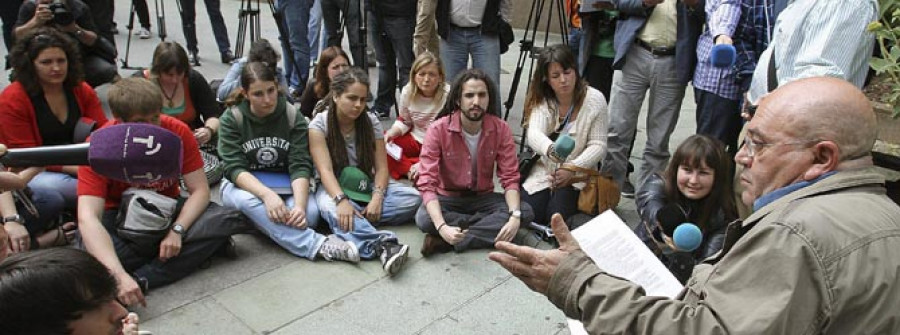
x=817 y=256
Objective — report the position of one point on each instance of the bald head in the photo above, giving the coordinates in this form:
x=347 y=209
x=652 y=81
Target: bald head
x=824 y=108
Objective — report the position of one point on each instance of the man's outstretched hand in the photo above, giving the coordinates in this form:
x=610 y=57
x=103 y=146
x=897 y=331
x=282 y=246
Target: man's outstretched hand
x=532 y=266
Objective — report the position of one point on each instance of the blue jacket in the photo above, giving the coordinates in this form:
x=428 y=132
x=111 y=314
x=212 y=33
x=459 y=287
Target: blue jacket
x=633 y=16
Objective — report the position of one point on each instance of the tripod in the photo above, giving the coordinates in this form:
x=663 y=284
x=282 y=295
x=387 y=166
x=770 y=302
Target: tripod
x=248 y=20
x=160 y=7
x=527 y=49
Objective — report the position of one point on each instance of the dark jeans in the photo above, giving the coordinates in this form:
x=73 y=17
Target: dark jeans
x=48 y=204
x=599 y=74
x=201 y=241
x=719 y=118
x=102 y=11
x=483 y=216
x=142 y=11
x=9 y=12
x=189 y=16
x=331 y=15
x=393 y=50
x=546 y=203
x=98 y=71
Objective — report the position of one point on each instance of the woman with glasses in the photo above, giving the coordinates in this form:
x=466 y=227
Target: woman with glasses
x=48 y=103
x=420 y=101
x=696 y=187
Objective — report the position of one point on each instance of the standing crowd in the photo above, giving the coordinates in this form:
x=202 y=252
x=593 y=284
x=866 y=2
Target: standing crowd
x=796 y=230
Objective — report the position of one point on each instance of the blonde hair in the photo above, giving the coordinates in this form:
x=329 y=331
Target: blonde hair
x=424 y=59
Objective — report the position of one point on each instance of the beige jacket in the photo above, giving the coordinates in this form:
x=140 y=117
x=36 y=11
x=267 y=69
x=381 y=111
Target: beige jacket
x=589 y=132
x=824 y=259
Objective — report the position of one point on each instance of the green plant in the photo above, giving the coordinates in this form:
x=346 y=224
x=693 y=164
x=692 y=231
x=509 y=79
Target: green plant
x=887 y=35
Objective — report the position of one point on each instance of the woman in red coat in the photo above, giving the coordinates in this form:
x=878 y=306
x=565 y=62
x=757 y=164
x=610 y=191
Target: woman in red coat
x=48 y=103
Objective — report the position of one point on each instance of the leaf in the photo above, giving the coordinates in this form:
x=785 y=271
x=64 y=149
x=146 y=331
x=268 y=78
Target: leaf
x=879 y=64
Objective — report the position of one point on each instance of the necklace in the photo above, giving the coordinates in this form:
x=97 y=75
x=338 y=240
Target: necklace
x=166 y=95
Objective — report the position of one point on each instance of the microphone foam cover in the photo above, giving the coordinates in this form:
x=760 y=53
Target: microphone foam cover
x=564 y=145
x=722 y=55
x=687 y=237
x=136 y=153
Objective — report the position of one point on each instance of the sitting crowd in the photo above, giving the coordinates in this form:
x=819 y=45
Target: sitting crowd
x=284 y=163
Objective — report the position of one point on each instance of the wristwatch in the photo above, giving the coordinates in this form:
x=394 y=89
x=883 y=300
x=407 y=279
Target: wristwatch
x=516 y=214
x=338 y=198
x=13 y=218
x=178 y=229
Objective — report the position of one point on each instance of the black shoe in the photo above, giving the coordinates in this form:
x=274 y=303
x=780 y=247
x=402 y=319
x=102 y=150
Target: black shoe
x=193 y=58
x=228 y=249
x=143 y=283
x=227 y=57
x=628 y=189
x=393 y=256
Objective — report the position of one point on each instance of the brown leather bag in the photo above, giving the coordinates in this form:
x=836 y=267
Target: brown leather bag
x=598 y=194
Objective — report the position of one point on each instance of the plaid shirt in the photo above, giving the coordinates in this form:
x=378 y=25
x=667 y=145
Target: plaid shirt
x=722 y=18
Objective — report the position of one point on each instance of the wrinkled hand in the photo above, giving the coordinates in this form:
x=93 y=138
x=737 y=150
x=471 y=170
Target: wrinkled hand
x=19 y=240
x=129 y=293
x=170 y=246
x=561 y=178
x=452 y=235
x=203 y=135
x=130 y=324
x=509 y=230
x=532 y=266
x=372 y=212
x=275 y=208
x=297 y=217
x=345 y=213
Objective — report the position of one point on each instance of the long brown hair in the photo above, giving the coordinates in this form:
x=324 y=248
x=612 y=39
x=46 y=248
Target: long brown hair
x=323 y=83
x=455 y=95
x=251 y=73
x=27 y=49
x=694 y=151
x=167 y=56
x=365 y=131
x=540 y=90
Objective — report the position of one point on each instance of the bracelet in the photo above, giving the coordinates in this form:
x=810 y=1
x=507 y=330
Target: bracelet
x=441 y=226
x=378 y=190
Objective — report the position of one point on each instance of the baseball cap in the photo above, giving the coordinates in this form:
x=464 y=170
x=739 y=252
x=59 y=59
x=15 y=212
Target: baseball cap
x=356 y=184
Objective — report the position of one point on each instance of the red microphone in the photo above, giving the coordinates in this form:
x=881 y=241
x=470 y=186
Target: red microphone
x=130 y=152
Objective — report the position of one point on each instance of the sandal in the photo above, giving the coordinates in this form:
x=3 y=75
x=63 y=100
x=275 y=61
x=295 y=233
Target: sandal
x=63 y=235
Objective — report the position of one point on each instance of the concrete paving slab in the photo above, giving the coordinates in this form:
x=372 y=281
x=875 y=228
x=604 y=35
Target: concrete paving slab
x=290 y=292
x=205 y=316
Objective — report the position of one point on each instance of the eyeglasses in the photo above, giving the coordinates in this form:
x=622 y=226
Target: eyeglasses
x=754 y=147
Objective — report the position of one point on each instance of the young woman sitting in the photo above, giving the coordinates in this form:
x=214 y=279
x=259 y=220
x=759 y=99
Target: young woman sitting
x=332 y=61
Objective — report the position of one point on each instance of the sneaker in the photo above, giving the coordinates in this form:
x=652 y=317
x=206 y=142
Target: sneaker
x=194 y=58
x=628 y=189
x=227 y=57
x=143 y=33
x=334 y=248
x=435 y=245
x=393 y=257
x=228 y=249
x=143 y=283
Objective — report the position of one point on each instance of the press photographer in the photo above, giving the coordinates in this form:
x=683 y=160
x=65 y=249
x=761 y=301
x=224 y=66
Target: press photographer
x=74 y=18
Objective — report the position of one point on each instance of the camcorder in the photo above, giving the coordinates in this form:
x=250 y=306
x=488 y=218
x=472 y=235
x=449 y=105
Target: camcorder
x=61 y=14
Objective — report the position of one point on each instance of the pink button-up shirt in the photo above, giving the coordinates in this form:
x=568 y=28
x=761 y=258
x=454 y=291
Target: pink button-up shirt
x=445 y=164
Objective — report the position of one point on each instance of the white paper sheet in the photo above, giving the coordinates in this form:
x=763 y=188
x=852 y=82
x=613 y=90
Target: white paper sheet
x=617 y=250
x=393 y=150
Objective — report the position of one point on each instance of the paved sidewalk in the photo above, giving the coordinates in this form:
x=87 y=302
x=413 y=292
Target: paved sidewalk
x=268 y=291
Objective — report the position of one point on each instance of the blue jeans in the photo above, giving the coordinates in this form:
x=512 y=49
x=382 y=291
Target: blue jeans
x=65 y=186
x=296 y=14
x=484 y=49
x=189 y=16
x=300 y=242
x=393 y=50
x=400 y=205
x=313 y=36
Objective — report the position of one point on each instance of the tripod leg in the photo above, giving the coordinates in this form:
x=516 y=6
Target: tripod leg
x=128 y=43
x=160 y=7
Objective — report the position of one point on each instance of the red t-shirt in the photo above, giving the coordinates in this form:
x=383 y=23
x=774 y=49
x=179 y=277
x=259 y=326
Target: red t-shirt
x=91 y=183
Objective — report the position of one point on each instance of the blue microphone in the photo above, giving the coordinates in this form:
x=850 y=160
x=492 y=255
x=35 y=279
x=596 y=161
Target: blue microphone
x=687 y=237
x=722 y=55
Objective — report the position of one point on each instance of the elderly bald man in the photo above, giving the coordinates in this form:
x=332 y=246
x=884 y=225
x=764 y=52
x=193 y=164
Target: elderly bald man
x=818 y=255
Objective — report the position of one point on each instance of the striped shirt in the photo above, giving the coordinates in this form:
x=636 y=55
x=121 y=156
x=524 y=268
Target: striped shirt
x=722 y=18
x=818 y=38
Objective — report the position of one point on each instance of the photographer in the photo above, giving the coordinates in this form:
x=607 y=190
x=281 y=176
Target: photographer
x=72 y=17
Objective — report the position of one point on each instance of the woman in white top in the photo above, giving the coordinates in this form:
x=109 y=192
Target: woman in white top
x=560 y=100
x=420 y=101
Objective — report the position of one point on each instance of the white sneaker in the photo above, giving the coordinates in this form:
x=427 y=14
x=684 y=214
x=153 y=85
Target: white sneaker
x=143 y=33
x=334 y=248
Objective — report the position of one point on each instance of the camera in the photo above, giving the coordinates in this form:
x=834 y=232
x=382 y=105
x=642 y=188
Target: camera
x=61 y=14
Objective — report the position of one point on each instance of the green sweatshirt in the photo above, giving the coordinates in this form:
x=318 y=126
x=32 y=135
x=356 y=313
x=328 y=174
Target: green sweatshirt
x=267 y=143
